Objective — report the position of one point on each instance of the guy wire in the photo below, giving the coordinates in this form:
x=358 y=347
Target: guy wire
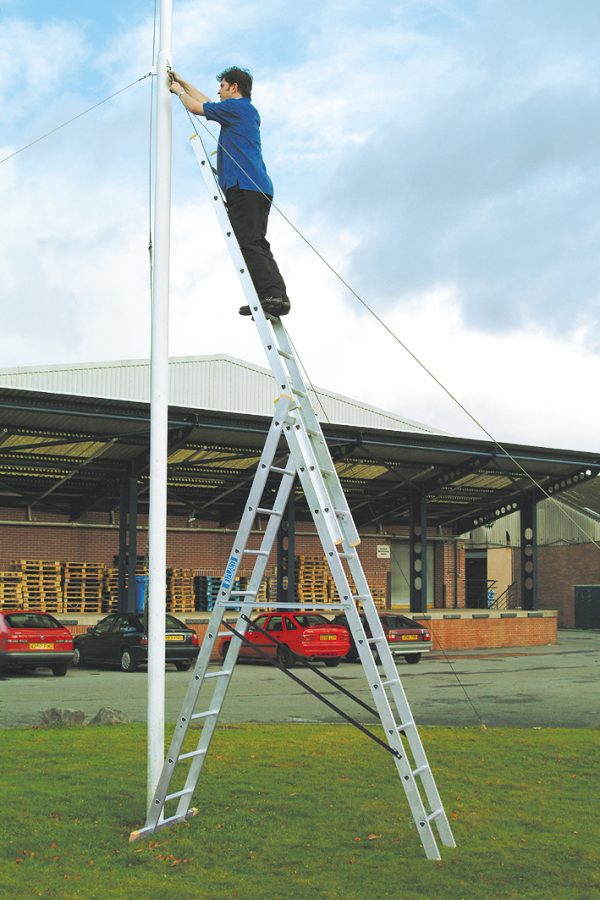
x=74 y=118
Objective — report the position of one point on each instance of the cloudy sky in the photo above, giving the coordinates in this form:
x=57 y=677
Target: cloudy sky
x=442 y=155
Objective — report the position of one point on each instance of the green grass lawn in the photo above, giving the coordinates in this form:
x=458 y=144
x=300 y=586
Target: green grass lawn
x=302 y=811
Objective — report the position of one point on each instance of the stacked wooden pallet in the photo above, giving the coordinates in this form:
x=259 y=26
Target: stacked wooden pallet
x=110 y=593
x=180 y=590
x=312 y=579
x=83 y=585
x=332 y=593
x=43 y=583
x=13 y=590
x=378 y=593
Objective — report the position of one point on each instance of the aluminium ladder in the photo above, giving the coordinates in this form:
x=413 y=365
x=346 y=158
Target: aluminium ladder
x=307 y=456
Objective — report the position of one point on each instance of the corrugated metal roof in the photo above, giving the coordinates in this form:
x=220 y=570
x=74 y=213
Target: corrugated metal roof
x=559 y=521
x=217 y=382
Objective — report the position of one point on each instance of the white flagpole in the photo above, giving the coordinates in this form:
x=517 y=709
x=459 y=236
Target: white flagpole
x=159 y=409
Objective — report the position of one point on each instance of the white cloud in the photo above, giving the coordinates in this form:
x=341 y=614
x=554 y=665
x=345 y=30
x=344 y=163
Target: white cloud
x=450 y=195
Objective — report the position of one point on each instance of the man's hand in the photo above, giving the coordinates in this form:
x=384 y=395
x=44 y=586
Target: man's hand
x=194 y=99
x=175 y=84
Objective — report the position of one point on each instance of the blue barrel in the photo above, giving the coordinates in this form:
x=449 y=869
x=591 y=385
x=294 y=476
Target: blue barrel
x=141 y=592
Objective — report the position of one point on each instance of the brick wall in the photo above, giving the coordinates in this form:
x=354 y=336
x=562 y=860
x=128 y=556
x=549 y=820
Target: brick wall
x=449 y=590
x=463 y=633
x=201 y=546
x=560 y=568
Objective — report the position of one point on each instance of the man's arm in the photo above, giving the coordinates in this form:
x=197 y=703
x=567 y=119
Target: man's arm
x=191 y=97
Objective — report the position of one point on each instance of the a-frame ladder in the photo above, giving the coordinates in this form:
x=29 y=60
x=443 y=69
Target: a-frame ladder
x=295 y=446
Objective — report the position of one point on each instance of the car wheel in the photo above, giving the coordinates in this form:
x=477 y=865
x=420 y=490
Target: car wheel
x=60 y=670
x=224 y=649
x=77 y=657
x=285 y=657
x=127 y=661
x=332 y=663
x=183 y=666
x=412 y=658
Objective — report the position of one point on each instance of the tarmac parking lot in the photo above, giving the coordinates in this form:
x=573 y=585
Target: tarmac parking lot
x=549 y=686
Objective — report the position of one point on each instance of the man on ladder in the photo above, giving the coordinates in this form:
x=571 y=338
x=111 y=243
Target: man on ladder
x=243 y=178
x=295 y=423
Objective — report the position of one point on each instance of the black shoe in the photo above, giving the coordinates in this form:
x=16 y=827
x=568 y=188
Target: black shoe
x=272 y=306
x=276 y=306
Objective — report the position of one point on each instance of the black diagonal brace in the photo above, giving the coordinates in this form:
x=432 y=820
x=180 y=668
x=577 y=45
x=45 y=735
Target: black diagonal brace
x=312 y=690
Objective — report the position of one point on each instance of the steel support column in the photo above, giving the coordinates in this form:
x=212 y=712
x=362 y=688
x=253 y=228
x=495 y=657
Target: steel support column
x=132 y=543
x=286 y=550
x=123 y=519
x=528 y=526
x=418 y=553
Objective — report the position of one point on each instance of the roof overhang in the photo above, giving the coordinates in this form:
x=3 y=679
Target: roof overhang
x=70 y=455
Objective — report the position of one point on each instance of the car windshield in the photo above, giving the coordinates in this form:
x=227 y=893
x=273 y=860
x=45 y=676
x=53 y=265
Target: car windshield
x=398 y=622
x=311 y=620
x=31 y=620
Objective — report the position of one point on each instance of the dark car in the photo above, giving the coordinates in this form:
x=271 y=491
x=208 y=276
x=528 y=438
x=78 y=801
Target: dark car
x=120 y=639
x=404 y=637
x=304 y=633
x=32 y=640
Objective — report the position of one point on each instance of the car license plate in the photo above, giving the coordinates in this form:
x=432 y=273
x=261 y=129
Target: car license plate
x=328 y=637
x=410 y=637
x=174 y=637
x=41 y=646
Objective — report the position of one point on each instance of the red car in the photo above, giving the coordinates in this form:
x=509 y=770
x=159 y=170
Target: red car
x=33 y=640
x=307 y=634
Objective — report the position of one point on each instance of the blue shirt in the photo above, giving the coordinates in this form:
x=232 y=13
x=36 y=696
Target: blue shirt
x=239 y=153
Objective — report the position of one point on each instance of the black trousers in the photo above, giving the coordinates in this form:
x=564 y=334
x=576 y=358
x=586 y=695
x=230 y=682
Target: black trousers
x=249 y=214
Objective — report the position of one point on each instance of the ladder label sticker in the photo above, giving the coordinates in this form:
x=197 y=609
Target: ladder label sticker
x=229 y=572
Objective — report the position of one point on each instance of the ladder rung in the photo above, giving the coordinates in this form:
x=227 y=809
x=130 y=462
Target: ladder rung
x=347 y=555
x=384 y=683
x=420 y=771
x=361 y=597
x=205 y=715
x=281 y=471
x=220 y=674
x=284 y=353
x=328 y=473
x=298 y=392
x=242 y=594
x=193 y=753
x=375 y=640
x=268 y=512
x=257 y=552
x=179 y=794
x=435 y=814
x=224 y=634
x=312 y=433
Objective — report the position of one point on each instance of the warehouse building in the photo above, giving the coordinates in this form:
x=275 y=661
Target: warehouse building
x=446 y=523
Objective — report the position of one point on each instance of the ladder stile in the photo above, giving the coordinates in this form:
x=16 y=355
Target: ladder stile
x=309 y=458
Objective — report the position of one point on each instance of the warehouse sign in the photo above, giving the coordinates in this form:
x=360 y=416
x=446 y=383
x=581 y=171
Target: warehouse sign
x=383 y=551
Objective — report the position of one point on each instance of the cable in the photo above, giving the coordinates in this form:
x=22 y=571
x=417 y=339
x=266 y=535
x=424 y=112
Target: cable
x=405 y=347
x=78 y=116
x=453 y=670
